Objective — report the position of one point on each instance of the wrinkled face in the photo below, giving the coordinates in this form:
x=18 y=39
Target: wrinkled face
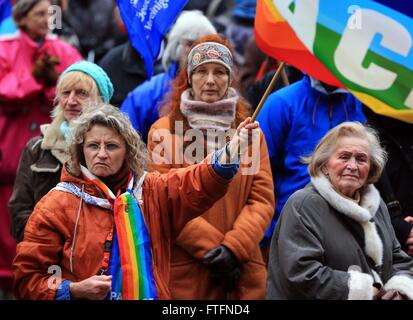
x=73 y=98
x=349 y=165
x=104 y=150
x=210 y=82
x=36 y=20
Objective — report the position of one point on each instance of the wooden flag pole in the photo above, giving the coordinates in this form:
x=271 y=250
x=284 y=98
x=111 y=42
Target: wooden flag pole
x=268 y=90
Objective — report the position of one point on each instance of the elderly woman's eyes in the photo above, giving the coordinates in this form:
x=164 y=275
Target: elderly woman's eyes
x=79 y=92
x=361 y=159
x=82 y=93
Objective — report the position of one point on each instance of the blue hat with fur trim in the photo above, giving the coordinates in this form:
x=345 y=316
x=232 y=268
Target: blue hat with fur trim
x=102 y=80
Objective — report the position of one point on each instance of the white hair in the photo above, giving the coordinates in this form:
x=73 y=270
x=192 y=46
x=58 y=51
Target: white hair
x=190 y=25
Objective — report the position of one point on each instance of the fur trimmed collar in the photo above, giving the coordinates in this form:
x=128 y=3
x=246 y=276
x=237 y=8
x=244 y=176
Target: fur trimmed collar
x=369 y=200
x=362 y=213
x=54 y=141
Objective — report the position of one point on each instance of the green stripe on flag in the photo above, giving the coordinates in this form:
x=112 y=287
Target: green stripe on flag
x=291 y=7
x=134 y=227
x=325 y=44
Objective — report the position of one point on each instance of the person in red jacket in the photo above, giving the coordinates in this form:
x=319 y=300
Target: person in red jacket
x=30 y=63
x=106 y=230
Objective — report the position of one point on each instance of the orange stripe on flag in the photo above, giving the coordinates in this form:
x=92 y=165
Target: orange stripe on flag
x=276 y=38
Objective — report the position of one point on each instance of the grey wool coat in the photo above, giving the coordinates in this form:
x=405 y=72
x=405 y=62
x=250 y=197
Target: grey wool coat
x=328 y=247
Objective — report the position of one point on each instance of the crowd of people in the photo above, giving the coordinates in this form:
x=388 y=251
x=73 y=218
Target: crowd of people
x=129 y=187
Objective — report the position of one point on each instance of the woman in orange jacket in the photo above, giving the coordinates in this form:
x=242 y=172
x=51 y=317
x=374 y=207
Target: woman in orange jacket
x=106 y=229
x=217 y=255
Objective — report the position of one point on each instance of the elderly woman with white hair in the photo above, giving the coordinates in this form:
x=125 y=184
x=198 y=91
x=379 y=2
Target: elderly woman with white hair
x=334 y=239
x=143 y=103
x=42 y=160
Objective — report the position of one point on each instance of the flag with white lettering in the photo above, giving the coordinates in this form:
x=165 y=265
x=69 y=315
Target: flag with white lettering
x=147 y=21
x=364 y=46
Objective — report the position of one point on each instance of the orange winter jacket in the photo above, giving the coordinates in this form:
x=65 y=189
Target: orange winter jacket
x=169 y=202
x=238 y=221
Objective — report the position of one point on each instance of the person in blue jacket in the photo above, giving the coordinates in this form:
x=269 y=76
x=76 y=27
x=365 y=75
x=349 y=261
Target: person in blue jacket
x=143 y=103
x=293 y=120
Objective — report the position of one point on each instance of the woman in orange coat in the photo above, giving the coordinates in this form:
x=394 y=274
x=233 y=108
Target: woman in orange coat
x=217 y=255
x=106 y=230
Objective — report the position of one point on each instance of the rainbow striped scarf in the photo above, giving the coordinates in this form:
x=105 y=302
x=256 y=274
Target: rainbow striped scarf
x=131 y=254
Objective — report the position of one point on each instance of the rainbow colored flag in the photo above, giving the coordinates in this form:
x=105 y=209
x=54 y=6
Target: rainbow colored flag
x=364 y=46
x=131 y=263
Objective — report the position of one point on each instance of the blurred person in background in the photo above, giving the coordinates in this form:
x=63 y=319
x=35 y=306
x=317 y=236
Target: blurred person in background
x=30 y=63
x=143 y=103
x=83 y=83
x=95 y=24
x=395 y=181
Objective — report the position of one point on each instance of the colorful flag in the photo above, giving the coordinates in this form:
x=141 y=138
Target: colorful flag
x=147 y=21
x=362 y=45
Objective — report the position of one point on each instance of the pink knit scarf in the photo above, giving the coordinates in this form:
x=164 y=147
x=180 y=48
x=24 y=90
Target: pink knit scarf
x=213 y=119
x=217 y=115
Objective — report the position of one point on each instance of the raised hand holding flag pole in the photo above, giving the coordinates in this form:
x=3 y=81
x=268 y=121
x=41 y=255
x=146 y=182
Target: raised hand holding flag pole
x=146 y=22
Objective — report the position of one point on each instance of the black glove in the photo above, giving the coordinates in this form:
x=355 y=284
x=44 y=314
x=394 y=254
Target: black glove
x=44 y=70
x=224 y=267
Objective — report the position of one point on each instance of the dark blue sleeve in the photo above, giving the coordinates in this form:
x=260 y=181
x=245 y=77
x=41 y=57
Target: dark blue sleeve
x=63 y=292
x=226 y=171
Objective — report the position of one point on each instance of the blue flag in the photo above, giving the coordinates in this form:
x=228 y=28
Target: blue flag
x=147 y=21
x=6 y=21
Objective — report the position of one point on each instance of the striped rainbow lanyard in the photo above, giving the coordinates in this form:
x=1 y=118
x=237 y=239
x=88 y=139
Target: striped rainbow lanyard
x=133 y=246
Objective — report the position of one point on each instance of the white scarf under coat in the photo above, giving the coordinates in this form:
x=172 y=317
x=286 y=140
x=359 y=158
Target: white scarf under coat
x=362 y=213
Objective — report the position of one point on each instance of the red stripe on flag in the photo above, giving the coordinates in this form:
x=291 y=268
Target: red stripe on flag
x=278 y=39
x=127 y=277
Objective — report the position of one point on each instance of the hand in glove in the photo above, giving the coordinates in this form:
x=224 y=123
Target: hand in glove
x=44 y=70
x=224 y=267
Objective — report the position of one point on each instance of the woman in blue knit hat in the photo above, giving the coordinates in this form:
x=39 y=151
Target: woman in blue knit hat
x=41 y=162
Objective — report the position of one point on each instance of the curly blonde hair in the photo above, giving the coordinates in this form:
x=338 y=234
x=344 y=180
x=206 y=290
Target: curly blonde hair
x=110 y=117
